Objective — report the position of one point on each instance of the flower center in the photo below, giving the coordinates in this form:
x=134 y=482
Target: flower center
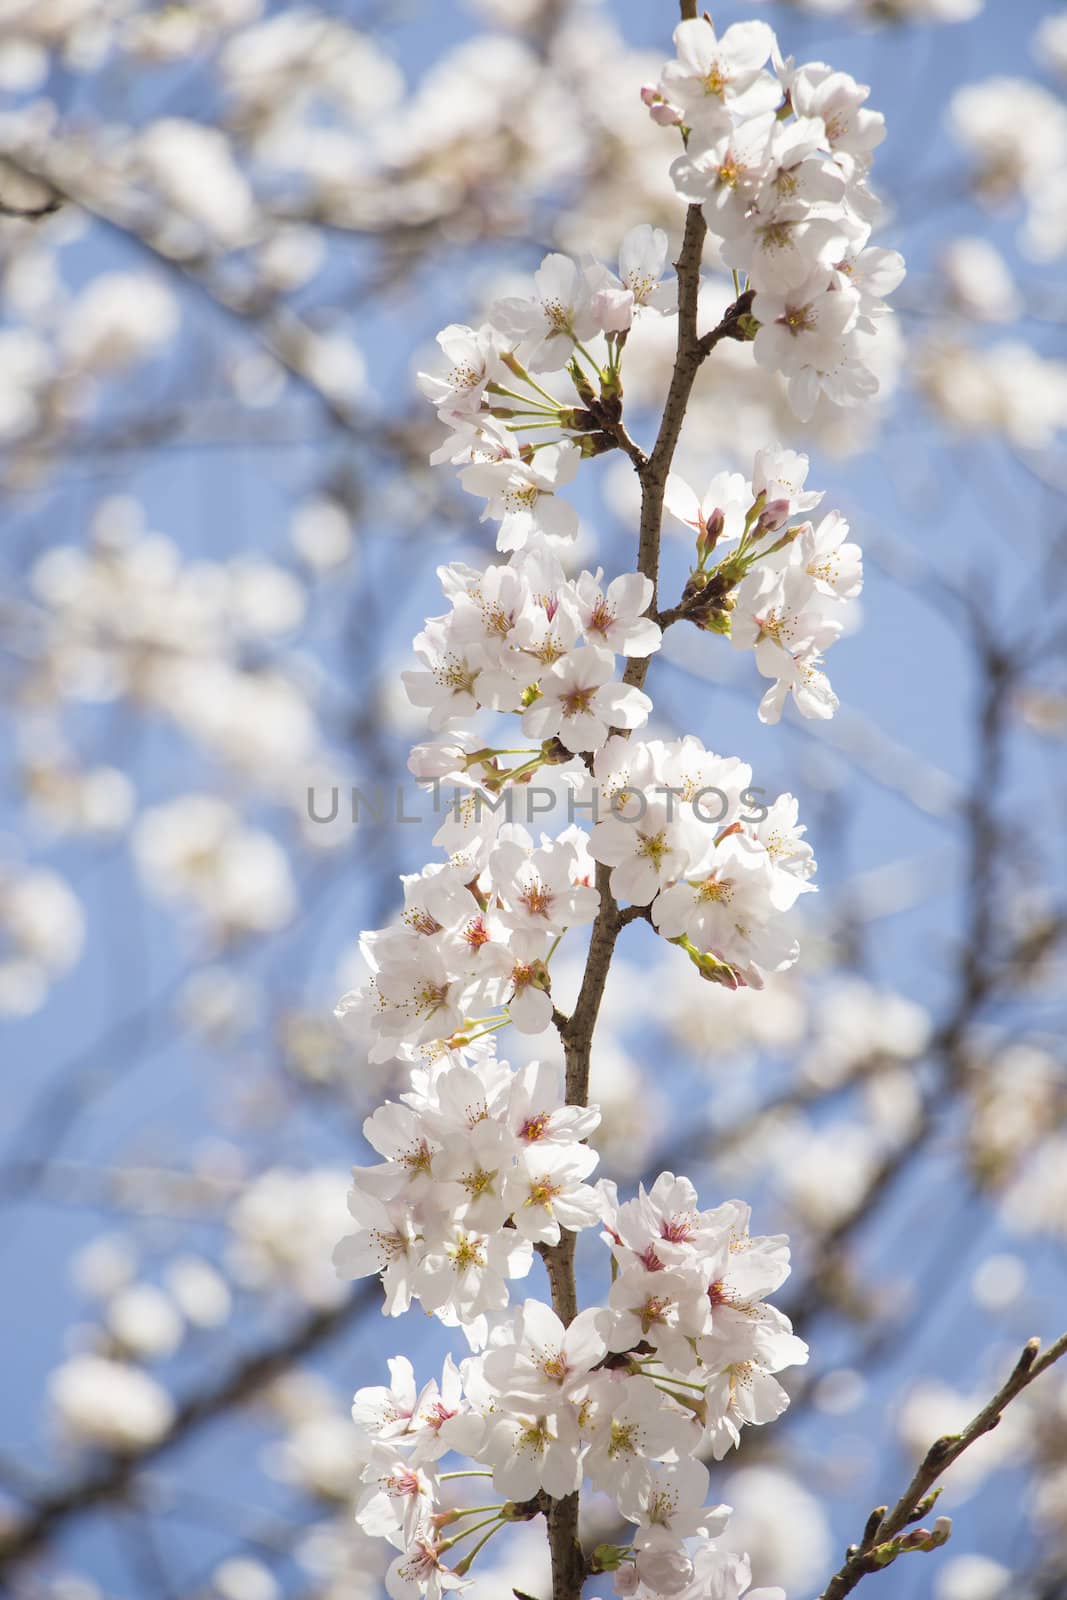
x=497 y=621
x=625 y=1439
x=774 y=236
x=652 y=1311
x=421 y=1564
x=676 y=1229
x=799 y=319
x=554 y=1366
x=467 y=1252
x=478 y=1182
x=543 y=1192
x=653 y=847
x=464 y=377
x=534 y=1436
x=577 y=701
x=521 y=498
x=417 y=1159
x=439 y=1415
x=557 y=314
x=639 y=287
x=601 y=618
x=404 y=1485
x=662 y=1506
x=454 y=674
x=475 y=934
x=431 y=996
x=537 y=899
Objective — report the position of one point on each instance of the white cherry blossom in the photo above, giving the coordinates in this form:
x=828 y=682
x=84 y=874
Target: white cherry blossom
x=468 y=362
x=640 y=285
x=522 y=495
x=712 y=77
x=546 y=326
x=579 y=704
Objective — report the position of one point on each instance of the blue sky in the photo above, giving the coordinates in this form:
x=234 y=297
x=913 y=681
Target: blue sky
x=961 y=509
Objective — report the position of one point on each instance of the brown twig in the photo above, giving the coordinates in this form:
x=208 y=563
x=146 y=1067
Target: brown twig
x=881 y=1542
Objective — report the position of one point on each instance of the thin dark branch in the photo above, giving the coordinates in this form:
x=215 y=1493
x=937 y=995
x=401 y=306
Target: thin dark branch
x=881 y=1543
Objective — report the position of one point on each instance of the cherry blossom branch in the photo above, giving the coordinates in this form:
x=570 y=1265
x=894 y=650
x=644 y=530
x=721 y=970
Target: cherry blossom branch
x=884 y=1538
x=576 y=1033
x=575 y=712
x=687 y=360
x=568 y=1566
x=692 y=350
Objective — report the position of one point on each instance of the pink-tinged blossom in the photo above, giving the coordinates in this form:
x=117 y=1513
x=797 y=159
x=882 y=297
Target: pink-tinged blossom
x=580 y=704
x=466 y=1272
x=546 y=1192
x=527 y=1452
x=725 y=175
x=396 y=1499
x=840 y=103
x=644 y=853
x=538 y=893
x=728 y=911
x=385 y=1243
x=614 y=618
x=631 y=1424
x=421 y=1572
x=536 y=1113
x=547 y=1361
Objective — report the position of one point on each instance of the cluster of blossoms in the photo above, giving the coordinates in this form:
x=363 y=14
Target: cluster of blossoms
x=787 y=600
x=682 y=831
x=510 y=643
x=481 y=1164
x=469 y=941
x=717 y=887
x=472 y=383
x=778 y=160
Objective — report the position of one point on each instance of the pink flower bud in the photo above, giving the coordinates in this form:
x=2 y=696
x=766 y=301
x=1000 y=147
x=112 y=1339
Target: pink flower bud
x=774 y=515
x=627 y=1581
x=613 y=309
x=660 y=109
x=664 y=1567
x=711 y=530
